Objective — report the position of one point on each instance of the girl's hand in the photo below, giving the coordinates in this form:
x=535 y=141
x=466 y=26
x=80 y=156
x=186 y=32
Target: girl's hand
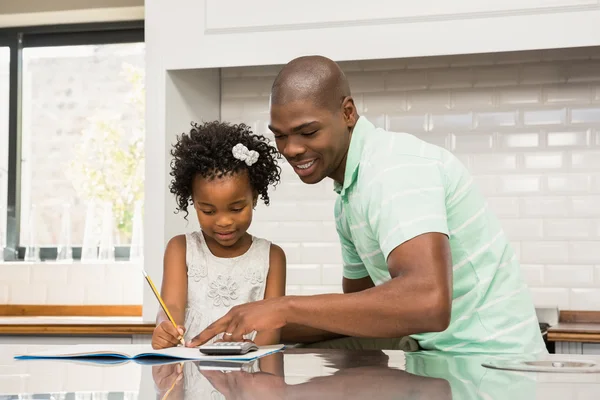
x=165 y=335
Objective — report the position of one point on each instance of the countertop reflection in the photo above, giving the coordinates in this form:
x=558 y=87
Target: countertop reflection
x=294 y=374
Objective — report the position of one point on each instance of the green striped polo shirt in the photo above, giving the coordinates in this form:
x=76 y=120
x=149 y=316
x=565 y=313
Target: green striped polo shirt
x=397 y=187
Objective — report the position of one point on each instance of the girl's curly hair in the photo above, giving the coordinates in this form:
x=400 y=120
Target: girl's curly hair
x=207 y=151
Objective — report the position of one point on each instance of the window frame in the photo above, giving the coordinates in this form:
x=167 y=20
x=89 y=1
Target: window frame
x=16 y=39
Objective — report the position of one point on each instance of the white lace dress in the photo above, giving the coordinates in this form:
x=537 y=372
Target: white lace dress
x=217 y=284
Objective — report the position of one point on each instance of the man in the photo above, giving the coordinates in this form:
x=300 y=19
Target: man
x=423 y=256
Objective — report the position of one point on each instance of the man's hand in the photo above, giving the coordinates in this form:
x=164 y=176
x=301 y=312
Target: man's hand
x=241 y=320
x=245 y=386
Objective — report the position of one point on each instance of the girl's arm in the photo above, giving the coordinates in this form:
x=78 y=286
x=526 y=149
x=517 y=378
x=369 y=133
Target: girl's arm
x=275 y=288
x=174 y=284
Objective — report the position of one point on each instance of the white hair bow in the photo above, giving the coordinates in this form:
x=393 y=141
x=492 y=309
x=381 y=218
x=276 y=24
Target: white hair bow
x=242 y=153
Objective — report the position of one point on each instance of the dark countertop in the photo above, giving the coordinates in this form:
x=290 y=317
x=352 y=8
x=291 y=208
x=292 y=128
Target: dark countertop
x=295 y=374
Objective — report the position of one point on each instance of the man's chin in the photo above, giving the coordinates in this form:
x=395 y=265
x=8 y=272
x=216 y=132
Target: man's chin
x=312 y=178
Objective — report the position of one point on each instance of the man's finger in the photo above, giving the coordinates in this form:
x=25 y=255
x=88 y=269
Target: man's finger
x=238 y=333
x=210 y=332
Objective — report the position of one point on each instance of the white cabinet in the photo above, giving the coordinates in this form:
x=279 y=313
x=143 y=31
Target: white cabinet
x=188 y=34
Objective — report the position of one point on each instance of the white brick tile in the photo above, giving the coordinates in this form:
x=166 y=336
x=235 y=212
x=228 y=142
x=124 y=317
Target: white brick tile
x=516 y=96
x=428 y=101
x=322 y=289
x=390 y=64
x=494 y=162
x=249 y=87
x=451 y=78
x=504 y=207
x=585 y=206
x=109 y=293
x=472 y=99
x=585 y=115
x=27 y=293
x=391 y=102
x=51 y=273
x=366 y=82
x=496 y=76
x=545 y=117
x=379 y=120
x=428 y=62
x=573 y=94
x=585 y=159
x=597 y=275
x=293 y=252
x=293 y=290
x=544 y=252
x=326 y=253
x=65 y=294
x=510 y=184
x=15 y=273
x=550 y=297
x=487 y=120
x=301 y=211
x=518 y=57
x=265 y=229
x=543 y=160
x=569 y=275
x=487 y=184
x=572 y=183
x=331 y=274
x=548 y=73
x=4 y=293
x=519 y=140
x=470 y=60
x=406 y=80
x=533 y=275
x=439 y=139
x=407 y=123
x=471 y=142
x=568 y=54
x=351 y=66
x=584 y=252
x=260 y=71
x=84 y=274
x=296 y=190
x=546 y=206
x=450 y=122
x=307 y=274
x=306 y=231
x=588 y=71
x=585 y=300
x=564 y=139
x=520 y=229
x=568 y=228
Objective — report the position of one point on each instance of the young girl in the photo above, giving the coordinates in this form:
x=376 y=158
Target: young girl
x=221 y=169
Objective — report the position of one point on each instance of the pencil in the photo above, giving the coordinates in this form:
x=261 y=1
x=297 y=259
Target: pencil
x=162 y=304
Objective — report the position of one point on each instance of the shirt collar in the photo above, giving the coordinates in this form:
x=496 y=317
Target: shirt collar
x=363 y=126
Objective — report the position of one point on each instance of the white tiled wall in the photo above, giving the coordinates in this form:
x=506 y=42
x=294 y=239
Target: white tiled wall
x=71 y=284
x=526 y=124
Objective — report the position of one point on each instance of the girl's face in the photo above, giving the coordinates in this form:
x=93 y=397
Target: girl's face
x=224 y=207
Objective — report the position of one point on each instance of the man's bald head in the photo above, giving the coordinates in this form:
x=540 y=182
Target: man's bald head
x=311 y=77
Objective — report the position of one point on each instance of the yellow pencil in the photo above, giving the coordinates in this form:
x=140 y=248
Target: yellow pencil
x=162 y=304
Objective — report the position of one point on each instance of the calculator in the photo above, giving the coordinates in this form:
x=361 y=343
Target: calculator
x=228 y=348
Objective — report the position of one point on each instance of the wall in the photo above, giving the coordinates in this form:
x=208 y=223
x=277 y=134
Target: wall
x=526 y=124
x=71 y=284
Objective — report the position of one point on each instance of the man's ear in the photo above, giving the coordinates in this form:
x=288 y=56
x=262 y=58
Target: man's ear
x=349 y=111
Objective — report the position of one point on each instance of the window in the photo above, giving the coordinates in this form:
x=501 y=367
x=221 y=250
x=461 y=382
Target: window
x=80 y=129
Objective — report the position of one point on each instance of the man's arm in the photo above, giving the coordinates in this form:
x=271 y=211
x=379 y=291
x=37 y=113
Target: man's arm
x=294 y=333
x=417 y=299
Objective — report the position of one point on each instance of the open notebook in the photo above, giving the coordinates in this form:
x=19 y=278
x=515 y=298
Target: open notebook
x=139 y=352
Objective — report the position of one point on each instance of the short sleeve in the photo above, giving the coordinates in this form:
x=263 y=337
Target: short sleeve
x=406 y=200
x=352 y=263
